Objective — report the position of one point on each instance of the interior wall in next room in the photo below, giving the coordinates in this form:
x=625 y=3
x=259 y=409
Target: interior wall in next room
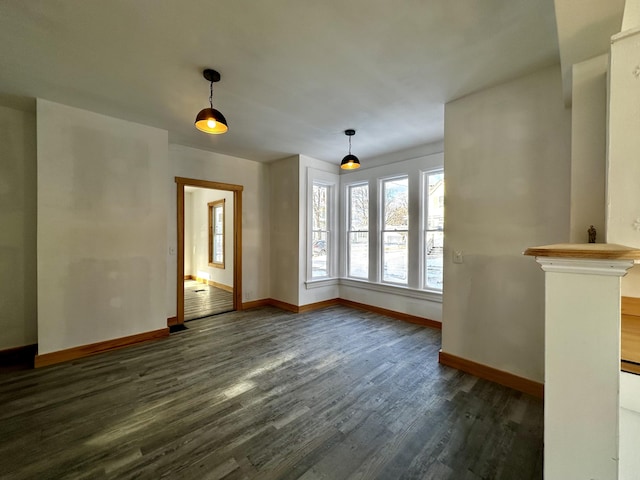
x=188 y=234
x=199 y=234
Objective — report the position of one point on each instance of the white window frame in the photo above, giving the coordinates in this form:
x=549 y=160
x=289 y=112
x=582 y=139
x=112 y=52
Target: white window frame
x=424 y=215
x=213 y=208
x=325 y=179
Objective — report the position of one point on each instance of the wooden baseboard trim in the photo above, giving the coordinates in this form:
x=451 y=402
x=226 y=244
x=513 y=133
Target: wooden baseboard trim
x=221 y=286
x=425 y=322
x=98 y=347
x=318 y=305
x=289 y=307
x=255 y=304
x=189 y=277
x=211 y=283
x=507 y=379
x=171 y=321
x=18 y=357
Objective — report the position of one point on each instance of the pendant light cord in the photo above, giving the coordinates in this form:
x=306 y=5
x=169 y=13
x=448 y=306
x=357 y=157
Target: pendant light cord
x=211 y=96
x=349 y=144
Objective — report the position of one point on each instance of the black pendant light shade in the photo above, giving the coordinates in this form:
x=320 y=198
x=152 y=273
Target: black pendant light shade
x=350 y=162
x=210 y=120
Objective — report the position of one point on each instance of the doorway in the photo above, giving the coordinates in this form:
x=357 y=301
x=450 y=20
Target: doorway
x=206 y=233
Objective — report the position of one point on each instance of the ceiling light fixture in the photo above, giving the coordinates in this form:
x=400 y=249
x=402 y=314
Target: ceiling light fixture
x=210 y=120
x=350 y=162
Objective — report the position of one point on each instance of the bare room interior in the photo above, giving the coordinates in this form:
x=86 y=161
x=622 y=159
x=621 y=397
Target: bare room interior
x=320 y=240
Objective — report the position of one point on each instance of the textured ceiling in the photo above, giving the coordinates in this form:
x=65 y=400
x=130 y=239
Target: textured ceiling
x=295 y=73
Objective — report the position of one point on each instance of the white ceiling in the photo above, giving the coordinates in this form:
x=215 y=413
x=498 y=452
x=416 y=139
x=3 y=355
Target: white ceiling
x=295 y=73
x=585 y=28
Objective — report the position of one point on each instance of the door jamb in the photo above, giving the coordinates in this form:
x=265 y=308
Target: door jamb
x=237 y=238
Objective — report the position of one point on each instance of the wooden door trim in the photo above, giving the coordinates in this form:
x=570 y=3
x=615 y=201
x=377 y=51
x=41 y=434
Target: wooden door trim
x=237 y=238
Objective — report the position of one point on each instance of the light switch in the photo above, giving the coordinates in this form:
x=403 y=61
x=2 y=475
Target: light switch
x=458 y=257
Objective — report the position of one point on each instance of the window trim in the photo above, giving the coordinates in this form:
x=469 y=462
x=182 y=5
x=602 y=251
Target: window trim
x=211 y=208
x=424 y=217
x=329 y=180
x=393 y=289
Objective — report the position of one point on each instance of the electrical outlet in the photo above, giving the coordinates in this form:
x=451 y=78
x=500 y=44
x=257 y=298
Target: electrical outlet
x=458 y=256
x=172 y=250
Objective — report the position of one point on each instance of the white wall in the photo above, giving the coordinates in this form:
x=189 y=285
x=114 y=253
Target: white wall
x=285 y=229
x=507 y=170
x=623 y=194
x=404 y=300
x=102 y=202
x=588 y=148
x=254 y=177
x=200 y=235
x=18 y=279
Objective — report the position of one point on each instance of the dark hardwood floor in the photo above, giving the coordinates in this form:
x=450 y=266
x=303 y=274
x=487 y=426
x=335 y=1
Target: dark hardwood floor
x=267 y=394
x=201 y=300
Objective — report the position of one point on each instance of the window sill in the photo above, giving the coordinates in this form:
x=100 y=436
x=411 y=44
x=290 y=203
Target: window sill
x=430 y=295
x=322 y=282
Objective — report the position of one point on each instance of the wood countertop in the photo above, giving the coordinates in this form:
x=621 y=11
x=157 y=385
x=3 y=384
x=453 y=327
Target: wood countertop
x=594 y=251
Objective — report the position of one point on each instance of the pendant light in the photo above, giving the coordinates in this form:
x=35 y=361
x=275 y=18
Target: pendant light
x=210 y=120
x=350 y=162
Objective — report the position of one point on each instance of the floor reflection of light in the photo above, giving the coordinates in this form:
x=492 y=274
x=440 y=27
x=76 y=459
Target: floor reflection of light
x=329 y=361
x=238 y=389
x=269 y=365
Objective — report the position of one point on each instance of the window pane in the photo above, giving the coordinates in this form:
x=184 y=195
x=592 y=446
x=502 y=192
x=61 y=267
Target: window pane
x=359 y=254
x=394 y=257
x=434 y=242
x=219 y=225
x=320 y=207
x=359 y=207
x=396 y=204
x=217 y=249
x=319 y=249
x=435 y=207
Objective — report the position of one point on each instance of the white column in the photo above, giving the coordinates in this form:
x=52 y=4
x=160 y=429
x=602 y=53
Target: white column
x=582 y=365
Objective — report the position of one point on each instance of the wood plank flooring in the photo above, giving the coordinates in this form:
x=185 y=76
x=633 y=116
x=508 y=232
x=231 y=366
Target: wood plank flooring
x=201 y=300
x=266 y=394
